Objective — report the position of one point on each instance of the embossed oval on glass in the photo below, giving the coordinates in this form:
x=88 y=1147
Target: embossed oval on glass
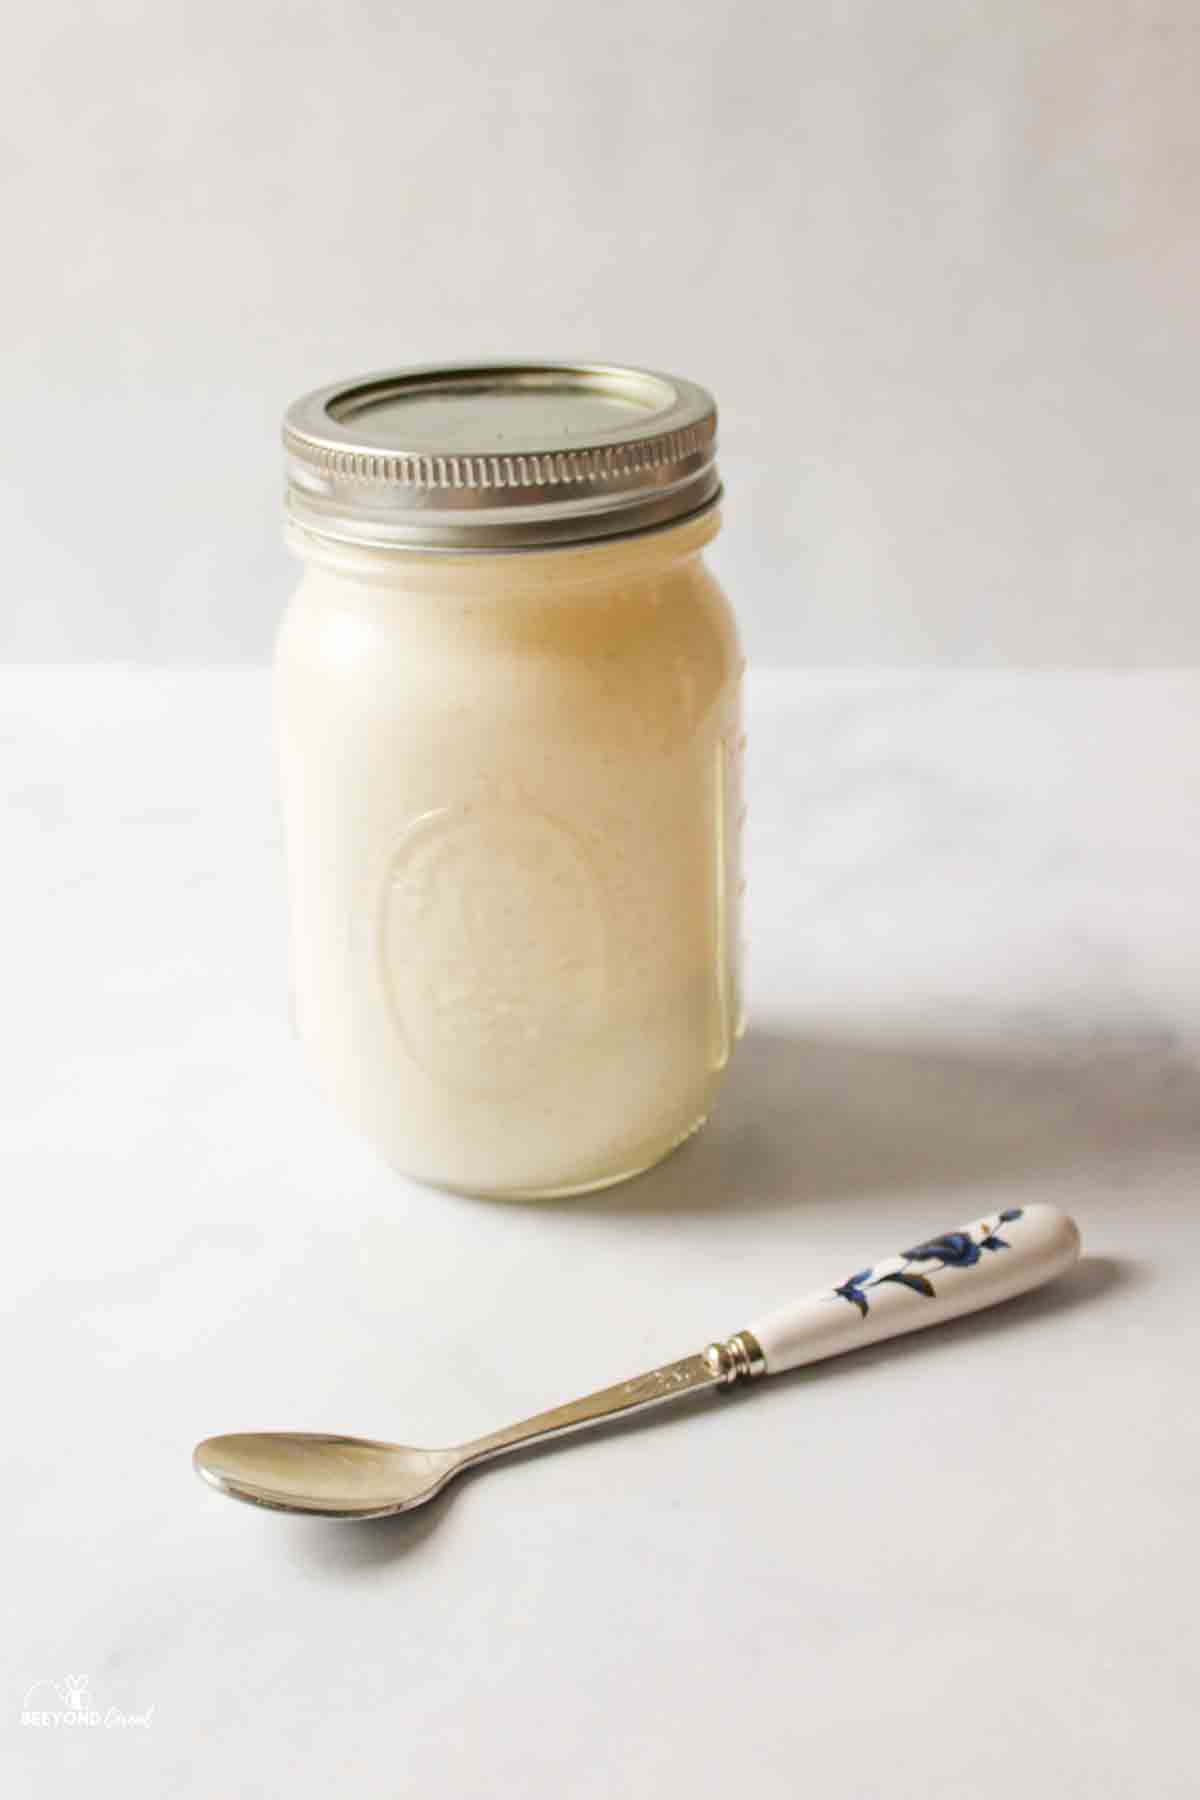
x=491 y=947
x=509 y=743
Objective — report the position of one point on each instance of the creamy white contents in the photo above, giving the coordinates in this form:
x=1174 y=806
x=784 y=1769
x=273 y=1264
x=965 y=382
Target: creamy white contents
x=511 y=789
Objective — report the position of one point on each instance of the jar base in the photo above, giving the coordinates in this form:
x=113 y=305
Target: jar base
x=571 y=1191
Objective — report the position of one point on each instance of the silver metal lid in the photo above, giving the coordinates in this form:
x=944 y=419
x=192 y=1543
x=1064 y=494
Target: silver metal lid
x=499 y=456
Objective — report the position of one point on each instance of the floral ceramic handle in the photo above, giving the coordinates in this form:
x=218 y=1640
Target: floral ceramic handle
x=938 y=1279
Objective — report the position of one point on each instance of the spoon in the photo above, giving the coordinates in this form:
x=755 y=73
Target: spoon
x=940 y=1278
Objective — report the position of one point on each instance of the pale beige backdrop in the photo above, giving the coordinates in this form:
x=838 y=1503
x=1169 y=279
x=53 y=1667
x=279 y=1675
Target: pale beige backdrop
x=938 y=260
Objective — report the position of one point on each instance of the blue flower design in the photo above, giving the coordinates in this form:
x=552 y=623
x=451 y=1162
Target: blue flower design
x=954 y=1250
x=851 y=1289
x=992 y=1241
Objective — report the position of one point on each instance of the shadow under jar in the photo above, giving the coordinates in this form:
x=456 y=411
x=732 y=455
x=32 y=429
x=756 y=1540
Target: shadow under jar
x=509 y=746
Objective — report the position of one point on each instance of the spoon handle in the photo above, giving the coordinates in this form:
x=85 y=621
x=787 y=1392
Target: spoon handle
x=940 y=1278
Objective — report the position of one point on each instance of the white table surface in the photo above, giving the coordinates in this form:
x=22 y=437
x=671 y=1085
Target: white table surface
x=960 y=1565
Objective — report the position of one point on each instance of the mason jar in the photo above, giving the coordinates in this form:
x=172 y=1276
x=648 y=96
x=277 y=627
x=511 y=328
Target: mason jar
x=509 y=747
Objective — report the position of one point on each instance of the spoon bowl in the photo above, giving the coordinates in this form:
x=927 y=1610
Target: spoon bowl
x=315 y=1472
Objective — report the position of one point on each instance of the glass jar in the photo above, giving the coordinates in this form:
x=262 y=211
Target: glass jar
x=509 y=745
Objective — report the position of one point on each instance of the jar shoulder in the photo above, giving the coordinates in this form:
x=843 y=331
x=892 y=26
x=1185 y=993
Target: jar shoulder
x=674 y=627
